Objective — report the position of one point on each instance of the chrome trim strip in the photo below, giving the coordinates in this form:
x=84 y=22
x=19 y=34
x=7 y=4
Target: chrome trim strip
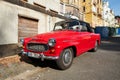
x=42 y=56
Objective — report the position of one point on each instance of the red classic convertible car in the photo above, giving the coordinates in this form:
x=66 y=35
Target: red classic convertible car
x=68 y=39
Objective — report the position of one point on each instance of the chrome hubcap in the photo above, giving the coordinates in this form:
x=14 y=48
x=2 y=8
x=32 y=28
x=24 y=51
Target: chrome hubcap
x=67 y=57
x=96 y=46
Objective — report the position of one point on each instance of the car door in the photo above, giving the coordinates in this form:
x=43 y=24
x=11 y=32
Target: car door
x=78 y=38
x=82 y=38
x=85 y=36
x=91 y=39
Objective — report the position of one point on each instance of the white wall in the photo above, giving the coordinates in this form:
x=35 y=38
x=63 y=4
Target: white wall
x=9 y=21
x=107 y=15
x=50 y=4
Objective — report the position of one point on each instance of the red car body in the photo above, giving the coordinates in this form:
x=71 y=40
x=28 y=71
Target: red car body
x=77 y=42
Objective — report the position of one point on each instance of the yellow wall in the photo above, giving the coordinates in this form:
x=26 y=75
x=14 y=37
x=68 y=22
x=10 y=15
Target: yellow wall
x=94 y=18
x=90 y=16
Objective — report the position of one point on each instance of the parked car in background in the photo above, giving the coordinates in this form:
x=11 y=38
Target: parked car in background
x=68 y=39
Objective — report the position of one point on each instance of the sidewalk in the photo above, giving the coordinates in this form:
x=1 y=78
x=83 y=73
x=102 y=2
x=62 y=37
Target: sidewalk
x=115 y=38
x=13 y=66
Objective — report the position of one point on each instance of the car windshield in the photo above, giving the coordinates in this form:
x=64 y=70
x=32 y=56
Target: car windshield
x=66 y=25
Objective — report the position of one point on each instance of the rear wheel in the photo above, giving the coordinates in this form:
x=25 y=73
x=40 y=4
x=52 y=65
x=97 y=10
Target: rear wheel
x=96 y=47
x=66 y=59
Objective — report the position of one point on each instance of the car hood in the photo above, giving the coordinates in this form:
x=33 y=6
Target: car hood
x=58 y=35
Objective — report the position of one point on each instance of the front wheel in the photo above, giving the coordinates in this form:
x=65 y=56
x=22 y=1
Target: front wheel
x=33 y=59
x=66 y=59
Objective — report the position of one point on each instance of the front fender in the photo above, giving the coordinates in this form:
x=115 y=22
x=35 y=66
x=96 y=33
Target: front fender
x=60 y=47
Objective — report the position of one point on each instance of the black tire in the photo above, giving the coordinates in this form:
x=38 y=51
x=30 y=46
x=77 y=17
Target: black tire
x=95 y=48
x=33 y=59
x=66 y=58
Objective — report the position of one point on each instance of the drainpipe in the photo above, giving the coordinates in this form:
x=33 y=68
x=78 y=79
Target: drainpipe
x=49 y=22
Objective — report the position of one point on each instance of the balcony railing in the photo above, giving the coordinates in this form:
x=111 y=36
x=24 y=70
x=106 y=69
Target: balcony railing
x=70 y=10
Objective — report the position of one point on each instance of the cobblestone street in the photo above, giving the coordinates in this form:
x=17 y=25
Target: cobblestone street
x=101 y=65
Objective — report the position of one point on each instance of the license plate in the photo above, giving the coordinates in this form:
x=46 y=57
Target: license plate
x=35 y=55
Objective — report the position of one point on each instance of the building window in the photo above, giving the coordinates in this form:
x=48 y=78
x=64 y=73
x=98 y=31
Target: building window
x=98 y=10
x=83 y=8
x=98 y=1
x=24 y=0
x=83 y=0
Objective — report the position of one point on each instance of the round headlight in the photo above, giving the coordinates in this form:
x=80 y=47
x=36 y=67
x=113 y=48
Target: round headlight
x=22 y=41
x=52 y=42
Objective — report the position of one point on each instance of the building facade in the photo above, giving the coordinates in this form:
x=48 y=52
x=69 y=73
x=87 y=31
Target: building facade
x=108 y=15
x=71 y=9
x=92 y=10
x=117 y=21
x=25 y=18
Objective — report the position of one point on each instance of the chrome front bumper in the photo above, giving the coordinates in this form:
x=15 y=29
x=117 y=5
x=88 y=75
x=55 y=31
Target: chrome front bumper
x=41 y=55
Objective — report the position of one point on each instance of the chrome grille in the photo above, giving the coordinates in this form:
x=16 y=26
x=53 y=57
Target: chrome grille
x=37 y=47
